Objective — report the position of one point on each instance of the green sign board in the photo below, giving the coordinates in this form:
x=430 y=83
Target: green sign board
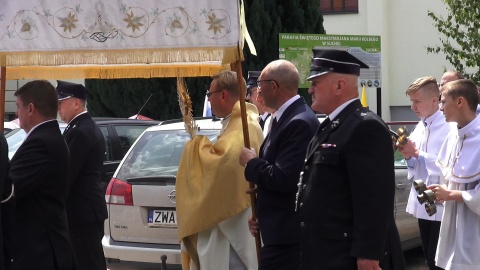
x=297 y=48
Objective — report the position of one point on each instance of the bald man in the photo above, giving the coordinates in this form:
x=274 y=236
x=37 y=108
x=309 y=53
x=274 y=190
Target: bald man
x=449 y=76
x=275 y=171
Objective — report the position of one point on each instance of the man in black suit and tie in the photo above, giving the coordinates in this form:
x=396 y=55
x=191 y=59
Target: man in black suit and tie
x=276 y=170
x=86 y=207
x=39 y=171
x=347 y=187
x=251 y=96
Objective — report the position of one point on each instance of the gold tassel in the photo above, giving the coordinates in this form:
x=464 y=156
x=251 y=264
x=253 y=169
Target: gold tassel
x=186 y=107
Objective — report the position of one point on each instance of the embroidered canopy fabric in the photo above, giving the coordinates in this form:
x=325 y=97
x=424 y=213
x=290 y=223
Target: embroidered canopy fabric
x=111 y=39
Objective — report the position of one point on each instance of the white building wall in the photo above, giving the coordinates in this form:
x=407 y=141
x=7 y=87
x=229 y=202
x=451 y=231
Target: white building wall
x=12 y=85
x=406 y=31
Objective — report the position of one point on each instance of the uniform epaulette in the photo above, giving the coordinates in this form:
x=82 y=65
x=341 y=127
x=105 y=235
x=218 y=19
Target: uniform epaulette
x=363 y=112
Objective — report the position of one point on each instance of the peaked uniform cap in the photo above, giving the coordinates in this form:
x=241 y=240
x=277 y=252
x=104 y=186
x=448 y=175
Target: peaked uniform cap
x=252 y=79
x=67 y=90
x=327 y=61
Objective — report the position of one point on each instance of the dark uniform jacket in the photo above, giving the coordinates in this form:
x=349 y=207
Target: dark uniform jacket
x=276 y=173
x=39 y=171
x=4 y=193
x=4 y=163
x=347 y=199
x=86 y=199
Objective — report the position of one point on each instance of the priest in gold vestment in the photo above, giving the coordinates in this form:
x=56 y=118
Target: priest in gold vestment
x=212 y=204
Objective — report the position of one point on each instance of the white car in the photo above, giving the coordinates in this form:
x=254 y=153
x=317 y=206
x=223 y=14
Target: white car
x=9 y=126
x=141 y=225
x=16 y=136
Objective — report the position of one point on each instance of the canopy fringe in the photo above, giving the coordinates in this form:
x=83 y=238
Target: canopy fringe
x=118 y=57
x=115 y=72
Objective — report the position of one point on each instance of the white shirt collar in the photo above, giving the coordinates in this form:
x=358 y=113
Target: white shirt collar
x=469 y=127
x=459 y=155
x=264 y=115
x=340 y=108
x=37 y=126
x=84 y=112
x=432 y=118
x=285 y=105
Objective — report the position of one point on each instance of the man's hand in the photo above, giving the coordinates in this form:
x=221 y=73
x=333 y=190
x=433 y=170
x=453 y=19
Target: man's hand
x=408 y=150
x=442 y=193
x=252 y=225
x=245 y=155
x=367 y=264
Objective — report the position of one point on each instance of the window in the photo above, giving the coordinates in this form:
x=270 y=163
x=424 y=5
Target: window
x=127 y=135
x=158 y=153
x=108 y=144
x=338 y=6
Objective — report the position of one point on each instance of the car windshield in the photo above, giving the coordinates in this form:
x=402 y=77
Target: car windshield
x=158 y=153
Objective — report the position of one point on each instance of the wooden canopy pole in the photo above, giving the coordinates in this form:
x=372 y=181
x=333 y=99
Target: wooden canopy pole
x=3 y=81
x=237 y=67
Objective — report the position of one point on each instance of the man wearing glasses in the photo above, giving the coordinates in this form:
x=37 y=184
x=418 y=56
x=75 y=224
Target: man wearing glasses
x=276 y=169
x=212 y=203
x=253 y=97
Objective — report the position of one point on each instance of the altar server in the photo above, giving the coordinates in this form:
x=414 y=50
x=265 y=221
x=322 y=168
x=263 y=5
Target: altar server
x=458 y=158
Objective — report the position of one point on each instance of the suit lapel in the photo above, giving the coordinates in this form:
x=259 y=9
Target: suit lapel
x=326 y=128
x=285 y=118
x=322 y=134
x=75 y=122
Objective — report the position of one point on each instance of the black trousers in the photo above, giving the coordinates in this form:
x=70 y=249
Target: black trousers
x=280 y=257
x=429 y=231
x=87 y=246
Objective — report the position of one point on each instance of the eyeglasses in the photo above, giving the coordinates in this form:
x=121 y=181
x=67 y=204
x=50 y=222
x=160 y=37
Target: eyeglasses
x=259 y=85
x=211 y=93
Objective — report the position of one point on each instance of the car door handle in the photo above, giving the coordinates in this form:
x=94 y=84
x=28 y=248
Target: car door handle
x=402 y=185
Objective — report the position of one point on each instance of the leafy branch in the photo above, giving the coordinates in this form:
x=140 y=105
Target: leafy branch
x=460 y=36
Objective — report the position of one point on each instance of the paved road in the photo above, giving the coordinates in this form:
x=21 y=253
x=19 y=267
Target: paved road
x=413 y=259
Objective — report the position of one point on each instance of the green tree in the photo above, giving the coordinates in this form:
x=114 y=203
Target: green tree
x=125 y=97
x=265 y=20
x=460 y=38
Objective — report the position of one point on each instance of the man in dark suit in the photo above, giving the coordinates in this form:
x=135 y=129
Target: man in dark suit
x=86 y=207
x=276 y=170
x=39 y=171
x=7 y=208
x=347 y=187
x=4 y=165
x=251 y=96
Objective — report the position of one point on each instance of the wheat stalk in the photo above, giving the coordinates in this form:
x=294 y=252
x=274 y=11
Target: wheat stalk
x=186 y=107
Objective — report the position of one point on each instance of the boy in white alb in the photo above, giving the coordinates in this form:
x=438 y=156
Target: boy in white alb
x=459 y=242
x=421 y=152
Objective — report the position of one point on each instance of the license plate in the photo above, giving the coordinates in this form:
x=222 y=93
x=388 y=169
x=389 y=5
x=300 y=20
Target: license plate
x=162 y=218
